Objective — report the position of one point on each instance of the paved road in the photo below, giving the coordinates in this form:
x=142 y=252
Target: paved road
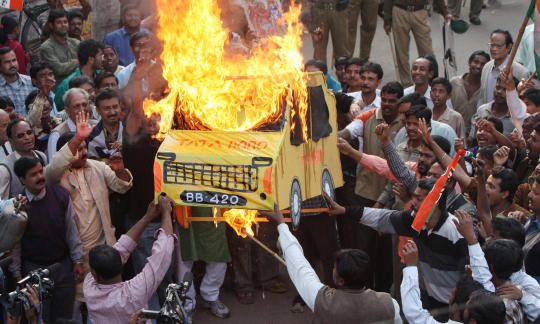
x=509 y=17
x=275 y=308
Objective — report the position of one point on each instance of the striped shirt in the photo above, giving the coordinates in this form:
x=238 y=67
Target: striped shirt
x=17 y=91
x=442 y=251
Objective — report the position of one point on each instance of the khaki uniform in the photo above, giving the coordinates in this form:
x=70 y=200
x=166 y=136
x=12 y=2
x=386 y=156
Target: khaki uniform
x=367 y=9
x=406 y=16
x=368 y=184
x=330 y=20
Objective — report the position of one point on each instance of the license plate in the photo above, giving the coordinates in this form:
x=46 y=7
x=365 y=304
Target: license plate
x=212 y=198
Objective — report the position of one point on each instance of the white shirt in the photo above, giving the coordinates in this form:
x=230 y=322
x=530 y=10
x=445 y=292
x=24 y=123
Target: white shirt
x=517 y=110
x=53 y=139
x=5 y=150
x=427 y=96
x=410 y=299
x=530 y=302
x=356 y=129
x=376 y=103
x=302 y=274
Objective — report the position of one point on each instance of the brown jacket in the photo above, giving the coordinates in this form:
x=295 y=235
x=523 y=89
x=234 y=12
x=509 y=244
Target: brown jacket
x=353 y=306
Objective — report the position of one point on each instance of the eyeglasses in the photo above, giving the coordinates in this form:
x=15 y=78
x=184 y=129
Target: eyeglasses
x=28 y=132
x=493 y=45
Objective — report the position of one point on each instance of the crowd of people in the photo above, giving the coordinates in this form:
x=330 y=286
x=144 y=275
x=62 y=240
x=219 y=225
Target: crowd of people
x=77 y=156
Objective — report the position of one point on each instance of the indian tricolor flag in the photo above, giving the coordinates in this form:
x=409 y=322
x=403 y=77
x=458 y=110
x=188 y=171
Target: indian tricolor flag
x=534 y=15
x=429 y=204
x=12 y=4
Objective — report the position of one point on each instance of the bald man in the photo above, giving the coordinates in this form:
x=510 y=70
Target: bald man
x=5 y=147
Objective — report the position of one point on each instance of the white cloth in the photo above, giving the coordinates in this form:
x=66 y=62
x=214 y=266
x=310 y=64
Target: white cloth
x=410 y=299
x=53 y=139
x=5 y=150
x=356 y=129
x=302 y=275
x=517 y=110
x=376 y=103
x=489 y=76
x=212 y=281
x=525 y=51
x=530 y=302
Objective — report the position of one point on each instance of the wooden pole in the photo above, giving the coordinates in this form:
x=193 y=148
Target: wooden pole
x=222 y=219
x=516 y=44
x=267 y=249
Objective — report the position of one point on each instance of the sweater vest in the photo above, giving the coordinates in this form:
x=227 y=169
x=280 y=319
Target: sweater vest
x=44 y=241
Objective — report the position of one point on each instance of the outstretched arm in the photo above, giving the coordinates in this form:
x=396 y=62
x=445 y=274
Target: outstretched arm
x=300 y=271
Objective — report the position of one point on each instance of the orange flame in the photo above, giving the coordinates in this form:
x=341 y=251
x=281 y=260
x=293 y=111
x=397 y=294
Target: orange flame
x=241 y=220
x=213 y=89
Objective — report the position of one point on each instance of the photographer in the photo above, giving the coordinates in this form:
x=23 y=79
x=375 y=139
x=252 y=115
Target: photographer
x=111 y=300
x=30 y=309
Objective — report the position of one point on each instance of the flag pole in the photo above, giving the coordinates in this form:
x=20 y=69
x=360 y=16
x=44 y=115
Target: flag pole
x=516 y=43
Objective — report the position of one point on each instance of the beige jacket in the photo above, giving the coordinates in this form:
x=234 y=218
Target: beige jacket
x=100 y=178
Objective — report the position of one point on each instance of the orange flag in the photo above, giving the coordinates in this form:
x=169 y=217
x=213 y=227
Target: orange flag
x=12 y=4
x=430 y=203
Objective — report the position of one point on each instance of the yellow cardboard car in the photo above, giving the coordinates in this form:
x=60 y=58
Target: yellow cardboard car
x=255 y=169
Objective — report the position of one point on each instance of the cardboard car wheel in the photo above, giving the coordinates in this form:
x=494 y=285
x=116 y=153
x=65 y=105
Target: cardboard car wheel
x=328 y=184
x=296 y=204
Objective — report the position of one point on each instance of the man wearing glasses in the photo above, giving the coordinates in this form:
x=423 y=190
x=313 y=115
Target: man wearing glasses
x=500 y=45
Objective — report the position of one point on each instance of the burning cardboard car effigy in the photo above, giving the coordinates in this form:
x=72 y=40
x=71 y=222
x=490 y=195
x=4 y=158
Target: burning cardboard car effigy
x=242 y=131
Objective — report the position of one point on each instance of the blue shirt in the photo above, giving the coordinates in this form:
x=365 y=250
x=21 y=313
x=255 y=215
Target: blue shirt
x=17 y=91
x=332 y=83
x=119 y=40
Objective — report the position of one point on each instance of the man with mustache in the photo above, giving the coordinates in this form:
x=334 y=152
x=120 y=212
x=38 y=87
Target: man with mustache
x=59 y=50
x=106 y=138
x=22 y=140
x=88 y=183
x=408 y=173
x=437 y=128
x=13 y=84
x=75 y=21
x=76 y=100
x=363 y=84
x=51 y=238
x=90 y=56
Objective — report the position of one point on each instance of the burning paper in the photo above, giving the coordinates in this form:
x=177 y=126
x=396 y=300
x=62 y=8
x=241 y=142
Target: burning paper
x=241 y=220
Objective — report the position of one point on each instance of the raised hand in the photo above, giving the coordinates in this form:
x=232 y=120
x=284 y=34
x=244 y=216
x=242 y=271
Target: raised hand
x=479 y=169
x=410 y=253
x=116 y=162
x=510 y=291
x=424 y=131
x=83 y=127
x=383 y=132
x=459 y=144
x=519 y=216
x=500 y=157
x=465 y=227
x=483 y=124
x=334 y=207
x=344 y=147
x=401 y=191
x=165 y=203
x=274 y=216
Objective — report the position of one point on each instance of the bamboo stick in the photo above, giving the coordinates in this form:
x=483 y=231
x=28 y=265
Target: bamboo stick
x=267 y=249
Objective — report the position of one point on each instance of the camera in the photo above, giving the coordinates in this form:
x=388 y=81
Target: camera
x=173 y=309
x=39 y=280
